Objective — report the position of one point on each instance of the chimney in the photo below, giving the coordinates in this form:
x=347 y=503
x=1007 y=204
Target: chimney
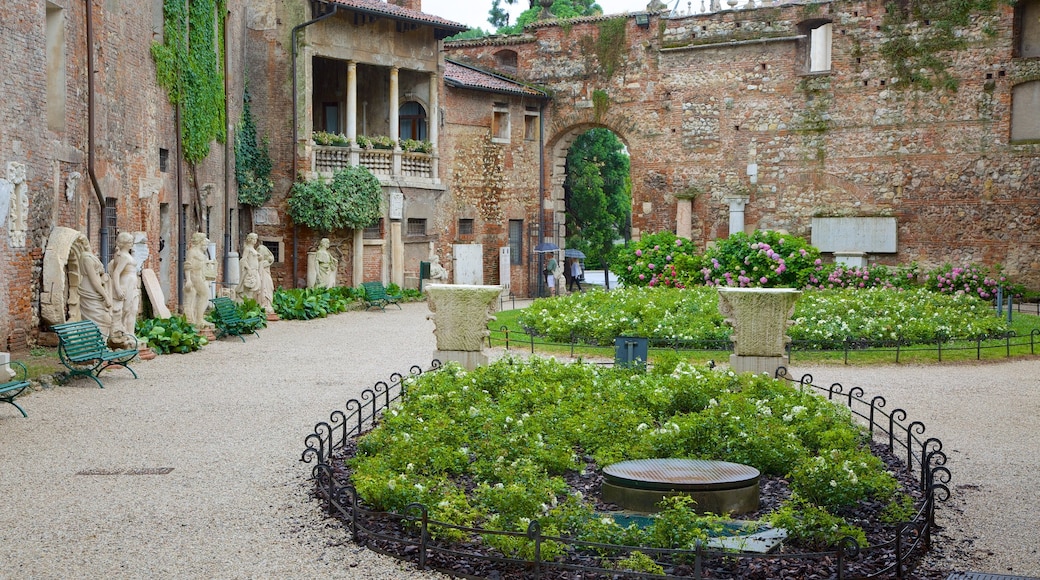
x=409 y=4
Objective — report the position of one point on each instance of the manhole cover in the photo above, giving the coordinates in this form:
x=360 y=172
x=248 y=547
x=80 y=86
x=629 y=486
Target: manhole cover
x=130 y=471
x=680 y=474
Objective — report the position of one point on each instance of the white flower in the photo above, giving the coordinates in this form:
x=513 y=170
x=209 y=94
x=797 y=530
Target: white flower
x=419 y=487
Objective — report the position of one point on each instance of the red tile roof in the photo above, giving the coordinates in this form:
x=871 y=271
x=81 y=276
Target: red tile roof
x=468 y=77
x=381 y=7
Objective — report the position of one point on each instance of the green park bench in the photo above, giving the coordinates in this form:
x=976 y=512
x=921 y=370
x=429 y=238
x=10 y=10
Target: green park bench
x=83 y=350
x=227 y=320
x=14 y=387
x=375 y=295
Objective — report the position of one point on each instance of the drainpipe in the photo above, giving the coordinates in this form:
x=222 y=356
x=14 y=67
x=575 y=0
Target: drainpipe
x=541 y=193
x=295 y=126
x=102 y=232
x=228 y=149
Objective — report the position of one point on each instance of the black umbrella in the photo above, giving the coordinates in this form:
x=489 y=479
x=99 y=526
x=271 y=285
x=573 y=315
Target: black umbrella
x=545 y=247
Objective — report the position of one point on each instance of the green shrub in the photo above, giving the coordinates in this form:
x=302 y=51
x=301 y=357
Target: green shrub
x=842 y=477
x=309 y=303
x=170 y=335
x=246 y=309
x=765 y=259
x=660 y=259
x=349 y=200
x=813 y=525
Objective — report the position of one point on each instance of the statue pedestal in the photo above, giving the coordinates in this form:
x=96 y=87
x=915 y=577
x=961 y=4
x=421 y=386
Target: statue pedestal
x=760 y=317
x=460 y=313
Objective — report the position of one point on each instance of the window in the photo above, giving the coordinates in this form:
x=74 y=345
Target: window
x=816 y=53
x=275 y=248
x=331 y=111
x=55 y=29
x=500 y=123
x=164 y=160
x=109 y=219
x=531 y=124
x=374 y=231
x=506 y=61
x=465 y=227
x=416 y=226
x=516 y=241
x=412 y=118
x=1027 y=29
x=1025 y=111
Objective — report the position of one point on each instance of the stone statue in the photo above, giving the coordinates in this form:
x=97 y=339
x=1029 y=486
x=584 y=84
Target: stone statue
x=92 y=300
x=249 y=269
x=266 y=282
x=437 y=272
x=126 y=293
x=196 y=290
x=324 y=269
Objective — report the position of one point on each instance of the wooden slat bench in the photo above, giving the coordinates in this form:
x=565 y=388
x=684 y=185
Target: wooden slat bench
x=375 y=295
x=83 y=350
x=227 y=320
x=14 y=387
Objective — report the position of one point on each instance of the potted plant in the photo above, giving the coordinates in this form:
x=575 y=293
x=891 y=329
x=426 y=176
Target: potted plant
x=322 y=138
x=382 y=142
x=364 y=142
x=416 y=146
x=340 y=140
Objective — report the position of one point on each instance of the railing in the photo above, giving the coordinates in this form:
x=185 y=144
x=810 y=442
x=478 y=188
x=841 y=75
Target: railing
x=329 y=159
x=408 y=535
x=1005 y=345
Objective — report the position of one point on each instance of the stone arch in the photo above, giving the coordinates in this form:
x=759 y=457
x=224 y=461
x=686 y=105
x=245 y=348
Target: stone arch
x=556 y=149
x=60 y=275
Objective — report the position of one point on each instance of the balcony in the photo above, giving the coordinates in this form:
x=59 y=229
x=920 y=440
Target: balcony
x=383 y=163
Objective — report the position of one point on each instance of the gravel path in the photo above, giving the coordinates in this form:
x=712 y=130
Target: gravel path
x=230 y=421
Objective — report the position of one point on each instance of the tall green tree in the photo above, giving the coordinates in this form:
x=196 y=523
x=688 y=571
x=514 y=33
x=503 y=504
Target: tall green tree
x=499 y=18
x=598 y=193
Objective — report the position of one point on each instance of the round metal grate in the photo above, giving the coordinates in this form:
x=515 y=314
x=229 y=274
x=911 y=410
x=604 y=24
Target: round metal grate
x=680 y=474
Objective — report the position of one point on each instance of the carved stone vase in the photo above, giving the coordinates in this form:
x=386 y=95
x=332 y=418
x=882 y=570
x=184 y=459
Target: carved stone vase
x=760 y=318
x=460 y=313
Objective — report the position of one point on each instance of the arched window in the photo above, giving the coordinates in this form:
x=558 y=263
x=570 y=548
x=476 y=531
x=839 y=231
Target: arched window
x=412 y=118
x=1027 y=29
x=1025 y=112
x=506 y=61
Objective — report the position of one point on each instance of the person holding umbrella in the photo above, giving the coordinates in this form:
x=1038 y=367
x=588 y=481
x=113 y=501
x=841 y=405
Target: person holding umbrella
x=550 y=274
x=575 y=275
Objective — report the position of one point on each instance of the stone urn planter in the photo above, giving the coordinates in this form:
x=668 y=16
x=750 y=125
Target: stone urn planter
x=760 y=318
x=460 y=313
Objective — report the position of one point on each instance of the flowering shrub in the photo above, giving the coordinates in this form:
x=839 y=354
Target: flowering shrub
x=826 y=318
x=765 y=258
x=660 y=259
x=814 y=526
x=490 y=446
x=877 y=276
x=973 y=279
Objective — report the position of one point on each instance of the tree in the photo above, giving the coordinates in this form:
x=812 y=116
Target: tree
x=598 y=193
x=499 y=18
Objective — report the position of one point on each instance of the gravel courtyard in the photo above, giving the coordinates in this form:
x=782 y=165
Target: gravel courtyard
x=84 y=495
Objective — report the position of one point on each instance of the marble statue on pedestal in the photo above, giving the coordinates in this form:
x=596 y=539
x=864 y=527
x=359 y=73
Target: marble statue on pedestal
x=126 y=292
x=196 y=289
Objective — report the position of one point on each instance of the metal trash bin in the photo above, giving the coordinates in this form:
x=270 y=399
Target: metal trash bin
x=630 y=351
x=424 y=273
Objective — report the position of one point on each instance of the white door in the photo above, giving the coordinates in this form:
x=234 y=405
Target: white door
x=469 y=263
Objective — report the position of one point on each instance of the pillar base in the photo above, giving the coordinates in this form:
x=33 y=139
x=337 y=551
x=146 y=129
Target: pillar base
x=467 y=358
x=756 y=364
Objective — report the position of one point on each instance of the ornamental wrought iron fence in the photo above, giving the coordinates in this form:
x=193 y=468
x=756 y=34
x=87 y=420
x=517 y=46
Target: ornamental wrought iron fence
x=1007 y=344
x=412 y=535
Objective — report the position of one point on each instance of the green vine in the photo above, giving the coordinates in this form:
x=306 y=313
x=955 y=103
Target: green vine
x=600 y=103
x=918 y=32
x=350 y=200
x=189 y=64
x=610 y=45
x=252 y=160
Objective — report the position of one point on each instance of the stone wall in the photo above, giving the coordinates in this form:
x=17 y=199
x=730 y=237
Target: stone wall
x=705 y=101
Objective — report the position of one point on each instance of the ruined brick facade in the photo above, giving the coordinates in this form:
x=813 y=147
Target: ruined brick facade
x=705 y=101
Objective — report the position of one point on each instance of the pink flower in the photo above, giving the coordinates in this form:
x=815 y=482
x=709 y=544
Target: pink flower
x=639 y=253
x=818 y=261
x=657 y=247
x=763 y=279
x=651 y=266
x=678 y=243
x=642 y=277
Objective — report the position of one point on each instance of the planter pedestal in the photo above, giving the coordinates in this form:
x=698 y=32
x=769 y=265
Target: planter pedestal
x=460 y=313
x=760 y=317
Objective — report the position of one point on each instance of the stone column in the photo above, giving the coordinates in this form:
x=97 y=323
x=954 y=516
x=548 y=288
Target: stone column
x=359 y=257
x=352 y=101
x=736 y=213
x=396 y=254
x=684 y=217
x=460 y=314
x=433 y=124
x=760 y=317
x=395 y=105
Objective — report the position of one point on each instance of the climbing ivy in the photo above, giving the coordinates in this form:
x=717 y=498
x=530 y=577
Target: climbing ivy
x=252 y=160
x=600 y=103
x=189 y=65
x=610 y=46
x=351 y=199
x=917 y=33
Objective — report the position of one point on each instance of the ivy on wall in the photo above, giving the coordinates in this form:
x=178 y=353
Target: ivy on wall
x=189 y=64
x=252 y=160
x=611 y=45
x=917 y=33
